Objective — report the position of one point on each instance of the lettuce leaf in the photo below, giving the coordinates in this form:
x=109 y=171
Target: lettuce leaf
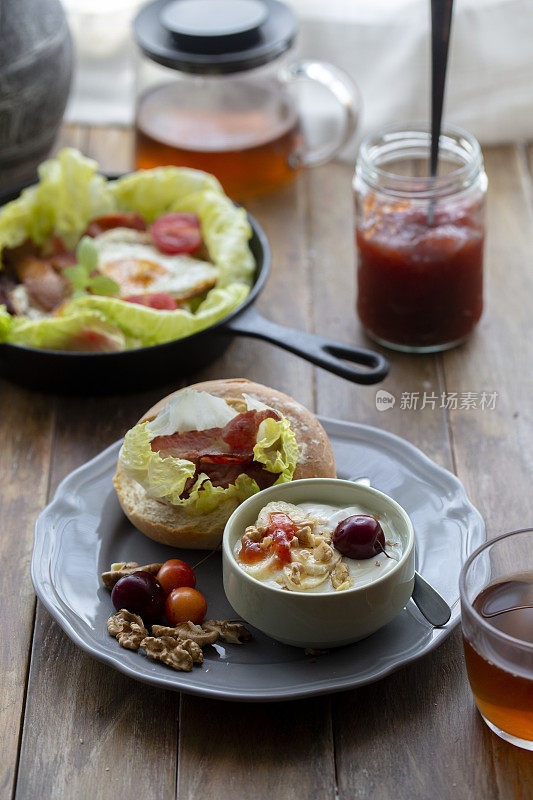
x=277 y=448
x=5 y=323
x=165 y=478
x=191 y=410
x=56 y=333
x=145 y=326
x=162 y=478
x=154 y=192
x=225 y=231
x=70 y=193
x=205 y=497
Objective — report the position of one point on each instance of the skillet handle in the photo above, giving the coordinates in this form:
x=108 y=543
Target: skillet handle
x=326 y=353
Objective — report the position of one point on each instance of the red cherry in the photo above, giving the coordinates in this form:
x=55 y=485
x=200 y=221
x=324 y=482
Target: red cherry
x=359 y=536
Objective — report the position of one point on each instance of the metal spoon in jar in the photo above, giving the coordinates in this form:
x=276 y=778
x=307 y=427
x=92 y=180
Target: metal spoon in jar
x=428 y=601
x=441 y=22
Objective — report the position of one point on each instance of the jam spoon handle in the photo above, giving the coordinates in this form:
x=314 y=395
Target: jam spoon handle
x=441 y=23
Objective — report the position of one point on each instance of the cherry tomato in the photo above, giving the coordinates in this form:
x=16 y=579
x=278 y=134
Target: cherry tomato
x=158 y=300
x=185 y=604
x=120 y=219
x=175 y=573
x=177 y=233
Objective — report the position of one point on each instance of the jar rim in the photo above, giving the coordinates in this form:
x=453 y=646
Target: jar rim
x=417 y=136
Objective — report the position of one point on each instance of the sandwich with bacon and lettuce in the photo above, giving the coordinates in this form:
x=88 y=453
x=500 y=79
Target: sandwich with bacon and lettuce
x=197 y=454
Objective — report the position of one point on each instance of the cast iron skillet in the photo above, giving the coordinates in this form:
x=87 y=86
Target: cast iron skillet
x=147 y=367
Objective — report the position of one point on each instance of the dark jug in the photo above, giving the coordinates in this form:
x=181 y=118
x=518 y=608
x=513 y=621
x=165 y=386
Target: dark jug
x=35 y=76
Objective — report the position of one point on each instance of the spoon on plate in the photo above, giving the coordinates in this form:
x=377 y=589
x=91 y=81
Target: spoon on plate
x=428 y=601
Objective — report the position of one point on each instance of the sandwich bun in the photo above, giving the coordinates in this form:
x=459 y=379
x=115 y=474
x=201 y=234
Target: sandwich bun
x=172 y=525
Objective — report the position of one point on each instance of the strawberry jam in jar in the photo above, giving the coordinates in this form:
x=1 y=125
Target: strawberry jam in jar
x=419 y=239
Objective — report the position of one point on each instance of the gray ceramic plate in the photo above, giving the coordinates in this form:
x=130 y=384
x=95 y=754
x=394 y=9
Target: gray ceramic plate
x=83 y=531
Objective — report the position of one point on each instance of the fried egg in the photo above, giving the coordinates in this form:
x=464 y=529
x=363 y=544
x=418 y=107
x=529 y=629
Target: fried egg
x=129 y=258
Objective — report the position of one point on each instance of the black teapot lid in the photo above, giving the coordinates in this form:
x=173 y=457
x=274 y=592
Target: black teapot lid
x=214 y=36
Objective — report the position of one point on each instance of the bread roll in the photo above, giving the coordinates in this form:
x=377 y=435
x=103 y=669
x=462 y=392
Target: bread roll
x=175 y=526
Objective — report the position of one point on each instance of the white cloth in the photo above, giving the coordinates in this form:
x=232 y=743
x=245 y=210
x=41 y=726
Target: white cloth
x=385 y=46
x=382 y=44
x=103 y=86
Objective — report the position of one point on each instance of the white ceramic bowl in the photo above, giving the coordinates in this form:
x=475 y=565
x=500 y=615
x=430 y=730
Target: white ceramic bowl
x=313 y=619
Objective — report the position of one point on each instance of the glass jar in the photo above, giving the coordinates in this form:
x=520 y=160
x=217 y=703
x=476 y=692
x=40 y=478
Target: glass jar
x=419 y=239
x=217 y=90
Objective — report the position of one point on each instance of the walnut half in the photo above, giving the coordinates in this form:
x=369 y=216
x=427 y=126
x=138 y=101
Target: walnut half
x=206 y=633
x=180 y=655
x=128 y=628
x=123 y=568
x=230 y=632
x=187 y=630
x=179 y=647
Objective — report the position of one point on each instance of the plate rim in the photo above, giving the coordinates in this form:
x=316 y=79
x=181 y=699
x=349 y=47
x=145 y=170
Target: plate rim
x=42 y=548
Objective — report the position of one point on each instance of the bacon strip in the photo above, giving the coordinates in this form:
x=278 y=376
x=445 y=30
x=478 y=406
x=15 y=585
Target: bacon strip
x=221 y=453
x=191 y=445
x=45 y=286
x=7 y=284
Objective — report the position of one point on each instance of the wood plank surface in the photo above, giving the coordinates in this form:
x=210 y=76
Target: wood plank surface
x=89 y=731
x=386 y=733
x=493 y=448
x=284 y=750
x=24 y=467
x=71 y=727
x=26 y=434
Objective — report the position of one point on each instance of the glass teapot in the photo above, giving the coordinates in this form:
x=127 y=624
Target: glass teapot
x=217 y=91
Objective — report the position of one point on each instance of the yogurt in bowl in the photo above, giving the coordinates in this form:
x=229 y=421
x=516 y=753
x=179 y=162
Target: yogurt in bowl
x=293 y=547
x=288 y=569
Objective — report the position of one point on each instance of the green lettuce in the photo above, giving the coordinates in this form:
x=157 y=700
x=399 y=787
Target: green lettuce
x=5 y=323
x=226 y=231
x=165 y=478
x=58 y=333
x=70 y=193
x=277 y=448
x=143 y=326
x=154 y=192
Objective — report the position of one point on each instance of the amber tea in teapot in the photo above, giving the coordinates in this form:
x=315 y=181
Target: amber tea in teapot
x=216 y=92
x=250 y=148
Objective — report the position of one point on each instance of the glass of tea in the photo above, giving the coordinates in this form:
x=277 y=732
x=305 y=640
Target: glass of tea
x=217 y=90
x=496 y=587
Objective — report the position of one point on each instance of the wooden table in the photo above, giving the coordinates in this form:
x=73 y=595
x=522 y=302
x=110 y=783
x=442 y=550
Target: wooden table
x=71 y=727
